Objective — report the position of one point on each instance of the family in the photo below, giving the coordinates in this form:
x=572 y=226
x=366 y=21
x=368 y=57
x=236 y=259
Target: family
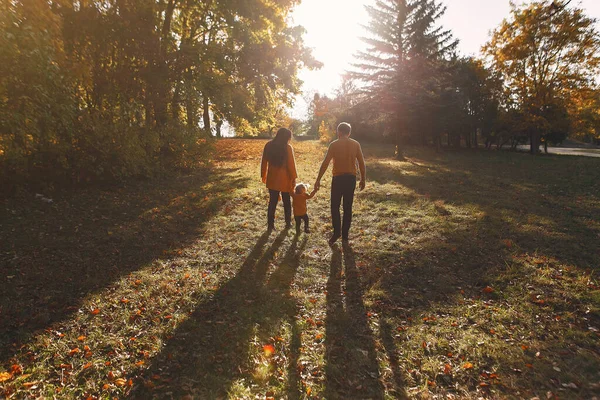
x=278 y=172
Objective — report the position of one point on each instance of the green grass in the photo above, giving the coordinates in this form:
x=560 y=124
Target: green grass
x=468 y=275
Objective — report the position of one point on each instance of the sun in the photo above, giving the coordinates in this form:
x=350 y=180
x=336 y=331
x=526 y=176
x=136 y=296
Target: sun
x=333 y=31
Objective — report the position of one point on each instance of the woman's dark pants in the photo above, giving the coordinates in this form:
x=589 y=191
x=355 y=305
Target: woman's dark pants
x=342 y=192
x=287 y=207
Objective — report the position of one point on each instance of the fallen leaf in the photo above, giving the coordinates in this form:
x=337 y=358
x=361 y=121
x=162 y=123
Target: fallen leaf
x=74 y=351
x=269 y=350
x=16 y=369
x=81 y=338
x=488 y=289
x=95 y=311
x=120 y=382
x=4 y=376
x=88 y=365
x=467 y=365
x=447 y=369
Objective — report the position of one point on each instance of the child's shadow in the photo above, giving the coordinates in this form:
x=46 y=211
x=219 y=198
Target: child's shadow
x=352 y=370
x=212 y=348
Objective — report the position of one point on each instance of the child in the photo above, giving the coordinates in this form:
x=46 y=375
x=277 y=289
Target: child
x=299 y=198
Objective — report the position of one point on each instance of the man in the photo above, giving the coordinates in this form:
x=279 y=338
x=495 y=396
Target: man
x=344 y=152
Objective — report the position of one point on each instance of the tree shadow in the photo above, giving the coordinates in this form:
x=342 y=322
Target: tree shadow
x=56 y=254
x=529 y=212
x=213 y=347
x=349 y=341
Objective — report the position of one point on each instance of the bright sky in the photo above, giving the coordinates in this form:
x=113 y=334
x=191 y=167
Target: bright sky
x=333 y=31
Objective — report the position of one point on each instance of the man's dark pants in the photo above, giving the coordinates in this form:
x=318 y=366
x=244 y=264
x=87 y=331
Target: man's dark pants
x=342 y=192
x=287 y=207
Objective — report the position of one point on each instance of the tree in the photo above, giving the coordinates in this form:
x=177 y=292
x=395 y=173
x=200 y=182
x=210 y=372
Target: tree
x=401 y=66
x=546 y=53
x=105 y=90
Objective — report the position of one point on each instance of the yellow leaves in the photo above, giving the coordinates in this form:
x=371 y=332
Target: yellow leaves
x=5 y=376
x=120 y=382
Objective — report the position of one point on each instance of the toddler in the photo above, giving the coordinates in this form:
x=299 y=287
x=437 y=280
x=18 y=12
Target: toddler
x=299 y=198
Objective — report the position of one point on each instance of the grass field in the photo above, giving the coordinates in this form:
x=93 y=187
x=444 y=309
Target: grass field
x=468 y=275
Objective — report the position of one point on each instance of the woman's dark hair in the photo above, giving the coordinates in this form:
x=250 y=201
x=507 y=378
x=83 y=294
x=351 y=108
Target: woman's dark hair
x=276 y=150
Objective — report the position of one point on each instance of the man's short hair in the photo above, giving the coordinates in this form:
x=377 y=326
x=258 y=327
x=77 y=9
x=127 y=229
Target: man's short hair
x=344 y=128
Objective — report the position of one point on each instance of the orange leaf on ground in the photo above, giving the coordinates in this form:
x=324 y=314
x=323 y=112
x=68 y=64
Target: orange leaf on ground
x=484 y=384
x=16 y=369
x=468 y=365
x=81 y=338
x=95 y=311
x=488 y=289
x=447 y=369
x=4 y=376
x=88 y=365
x=120 y=382
x=74 y=351
x=269 y=350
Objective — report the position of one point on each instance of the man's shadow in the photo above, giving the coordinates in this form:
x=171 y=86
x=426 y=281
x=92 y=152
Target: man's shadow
x=211 y=350
x=351 y=364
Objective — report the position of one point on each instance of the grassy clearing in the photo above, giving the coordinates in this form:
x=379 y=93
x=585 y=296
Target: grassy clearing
x=469 y=275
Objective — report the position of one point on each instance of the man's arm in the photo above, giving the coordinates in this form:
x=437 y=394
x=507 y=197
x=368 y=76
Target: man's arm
x=362 y=168
x=323 y=168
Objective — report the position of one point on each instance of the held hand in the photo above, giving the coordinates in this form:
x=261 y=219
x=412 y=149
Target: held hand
x=317 y=185
x=264 y=179
x=361 y=185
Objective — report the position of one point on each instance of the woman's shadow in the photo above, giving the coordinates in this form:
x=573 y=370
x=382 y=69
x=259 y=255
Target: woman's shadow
x=211 y=349
x=351 y=369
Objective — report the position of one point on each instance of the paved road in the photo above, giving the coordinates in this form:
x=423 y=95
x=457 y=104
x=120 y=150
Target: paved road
x=568 y=151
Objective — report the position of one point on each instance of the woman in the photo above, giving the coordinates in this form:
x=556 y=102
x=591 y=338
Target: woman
x=278 y=171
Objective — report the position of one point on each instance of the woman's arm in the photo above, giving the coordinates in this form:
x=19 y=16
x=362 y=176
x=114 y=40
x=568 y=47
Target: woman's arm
x=263 y=165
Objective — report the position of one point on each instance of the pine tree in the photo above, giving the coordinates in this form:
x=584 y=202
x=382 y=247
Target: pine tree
x=403 y=64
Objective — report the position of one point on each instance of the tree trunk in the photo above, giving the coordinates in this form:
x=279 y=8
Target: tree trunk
x=534 y=139
x=206 y=115
x=218 y=129
x=398 y=153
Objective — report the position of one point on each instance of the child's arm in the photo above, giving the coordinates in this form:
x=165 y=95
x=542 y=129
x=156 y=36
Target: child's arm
x=312 y=194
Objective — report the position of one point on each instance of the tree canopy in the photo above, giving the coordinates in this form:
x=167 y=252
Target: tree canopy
x=93 y=90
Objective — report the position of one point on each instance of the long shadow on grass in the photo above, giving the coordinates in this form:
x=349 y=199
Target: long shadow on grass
x=454 y=257
x=538 y=211
x=54 y=255
x=212 y=349
x=351 y=365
